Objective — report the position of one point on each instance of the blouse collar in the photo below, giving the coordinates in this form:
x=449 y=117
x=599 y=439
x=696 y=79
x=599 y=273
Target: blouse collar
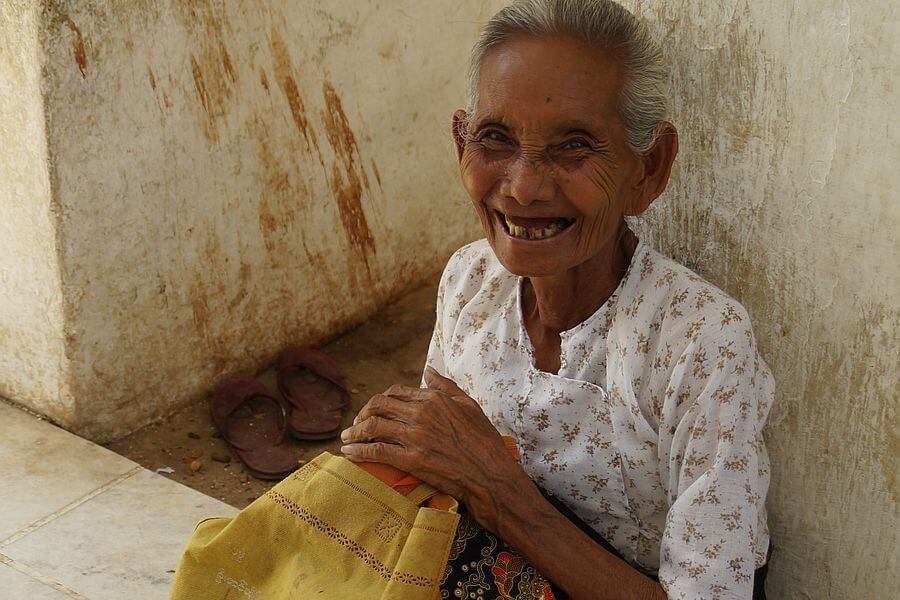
x=598 y=316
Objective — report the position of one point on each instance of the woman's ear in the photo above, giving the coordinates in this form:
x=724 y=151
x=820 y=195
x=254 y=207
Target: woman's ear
x=459 y=129
x=657 y=166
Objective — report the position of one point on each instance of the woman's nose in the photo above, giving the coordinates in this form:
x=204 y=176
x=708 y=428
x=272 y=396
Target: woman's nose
x=529 y=179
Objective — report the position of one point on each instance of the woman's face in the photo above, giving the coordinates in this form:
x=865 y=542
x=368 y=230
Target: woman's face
x=544 y=157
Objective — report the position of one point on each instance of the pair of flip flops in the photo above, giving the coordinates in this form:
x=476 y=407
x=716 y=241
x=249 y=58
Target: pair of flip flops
x=255 y=424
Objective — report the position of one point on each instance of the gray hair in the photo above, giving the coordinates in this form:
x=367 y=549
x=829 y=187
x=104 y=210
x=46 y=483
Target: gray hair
x=643 y=101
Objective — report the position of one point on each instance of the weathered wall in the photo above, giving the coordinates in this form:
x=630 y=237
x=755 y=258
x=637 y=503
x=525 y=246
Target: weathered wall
x=785 y=195
x=32 y=356
x=233 y=176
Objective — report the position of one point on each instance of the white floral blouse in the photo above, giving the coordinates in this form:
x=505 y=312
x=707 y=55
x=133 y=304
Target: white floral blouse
x=651 y=432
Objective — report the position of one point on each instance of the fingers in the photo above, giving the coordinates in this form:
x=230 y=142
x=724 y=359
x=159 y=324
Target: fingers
x=375 y=429
x=405 y=392
x=383 y=405
x=436 y=381
x=447 y=386
x=411 y=461
x=380 y=452
x=391 y=403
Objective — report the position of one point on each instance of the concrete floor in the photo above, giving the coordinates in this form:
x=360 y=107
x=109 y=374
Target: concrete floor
x=91 y=523
x=388 y=348
x=79 y=521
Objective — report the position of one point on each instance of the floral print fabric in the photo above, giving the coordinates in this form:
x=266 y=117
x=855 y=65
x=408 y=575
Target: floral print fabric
x=651 y=431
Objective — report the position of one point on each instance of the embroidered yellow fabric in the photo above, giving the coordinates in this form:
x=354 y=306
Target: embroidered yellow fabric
x=330 y=531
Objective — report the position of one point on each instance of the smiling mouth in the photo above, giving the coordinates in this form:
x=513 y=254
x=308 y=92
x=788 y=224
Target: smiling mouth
x=527 y=228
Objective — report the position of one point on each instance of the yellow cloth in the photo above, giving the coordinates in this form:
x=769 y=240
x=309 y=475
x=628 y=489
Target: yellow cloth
x=330 y=531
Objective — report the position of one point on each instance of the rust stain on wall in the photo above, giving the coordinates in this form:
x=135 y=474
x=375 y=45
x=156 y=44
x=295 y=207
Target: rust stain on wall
x=298 y=111
x=337 y=126
x=200 y=312
x=212 y=67
x=348 y=193
x=240 y=295
x=78 y=47
x=200 y=84
x=151 y=77
x=284 y=75
x=264 y=81
x=376 y=172
x=347 y=176
x=365 y=178
x=268 y=223
x=226 y=63
x=279 y=203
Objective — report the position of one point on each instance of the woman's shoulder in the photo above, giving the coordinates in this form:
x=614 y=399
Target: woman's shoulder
x=671 y=299
x=474 y=256
x=470 y=267
x=474 y=278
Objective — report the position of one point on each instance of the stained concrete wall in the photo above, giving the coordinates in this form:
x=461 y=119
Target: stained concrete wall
x=785 y=195
x=229 y=177
x=232 y=176
x=32 y=348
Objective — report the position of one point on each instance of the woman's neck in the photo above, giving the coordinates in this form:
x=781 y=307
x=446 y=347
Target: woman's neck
x=558 y=303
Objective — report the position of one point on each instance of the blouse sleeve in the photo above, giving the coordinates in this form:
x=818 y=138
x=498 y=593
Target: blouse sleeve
x=435 y=357
x=718 y=473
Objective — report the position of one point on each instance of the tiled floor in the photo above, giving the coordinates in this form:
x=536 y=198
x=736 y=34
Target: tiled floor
x=79 y=521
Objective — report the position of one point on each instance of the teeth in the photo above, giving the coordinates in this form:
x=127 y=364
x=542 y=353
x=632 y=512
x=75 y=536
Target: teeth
x=528 y=233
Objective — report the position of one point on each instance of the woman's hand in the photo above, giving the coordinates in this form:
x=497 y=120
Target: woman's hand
x=440 y=435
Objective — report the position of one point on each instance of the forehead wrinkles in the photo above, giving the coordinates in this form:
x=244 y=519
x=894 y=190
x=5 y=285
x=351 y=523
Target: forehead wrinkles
x=540 y=111
x=540 y=79
x=540 y=130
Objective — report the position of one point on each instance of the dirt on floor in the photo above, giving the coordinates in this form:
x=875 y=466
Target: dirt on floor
x=389 y=348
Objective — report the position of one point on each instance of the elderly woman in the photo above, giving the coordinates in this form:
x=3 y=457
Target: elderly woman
x=633 y=387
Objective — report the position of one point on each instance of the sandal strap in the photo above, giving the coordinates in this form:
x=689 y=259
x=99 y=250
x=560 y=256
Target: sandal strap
x=232 y=396
x=316 y=362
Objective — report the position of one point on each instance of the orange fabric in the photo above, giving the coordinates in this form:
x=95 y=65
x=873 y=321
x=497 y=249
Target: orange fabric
x=401 y=481
x=404 y=483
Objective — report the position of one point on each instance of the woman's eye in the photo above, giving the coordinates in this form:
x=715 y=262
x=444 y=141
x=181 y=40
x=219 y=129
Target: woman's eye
x=495 y=136
x=575 y=145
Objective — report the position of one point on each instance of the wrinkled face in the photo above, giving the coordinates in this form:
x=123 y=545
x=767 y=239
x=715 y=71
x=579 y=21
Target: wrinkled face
x=544 y=156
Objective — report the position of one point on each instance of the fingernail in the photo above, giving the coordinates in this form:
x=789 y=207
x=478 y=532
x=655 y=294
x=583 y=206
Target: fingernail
x=344 y=449
x=345 y=435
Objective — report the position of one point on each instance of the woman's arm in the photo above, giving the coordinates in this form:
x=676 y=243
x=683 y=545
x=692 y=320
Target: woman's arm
x=560 y=550
x=441 y=436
